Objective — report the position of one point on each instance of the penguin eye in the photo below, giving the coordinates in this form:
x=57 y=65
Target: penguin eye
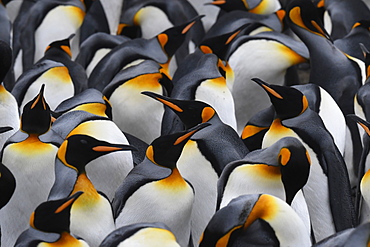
x=83 y=141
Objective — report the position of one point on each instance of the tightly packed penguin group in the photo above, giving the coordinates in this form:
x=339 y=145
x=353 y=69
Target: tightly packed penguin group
x=184 y=123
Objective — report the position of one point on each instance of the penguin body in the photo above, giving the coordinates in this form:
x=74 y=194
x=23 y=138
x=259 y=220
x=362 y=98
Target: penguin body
x=280 y=170
x=95 y=47
x=204 y=156
x=91 y=215
x=54 y=75
x=30 y=155
x=141 y=234
x=260 y=49
x=328 y=171
x=40 y=30
x=261 y=7
x=155 y=191
x=133 y=112
x=256 y=219
x=49 y=225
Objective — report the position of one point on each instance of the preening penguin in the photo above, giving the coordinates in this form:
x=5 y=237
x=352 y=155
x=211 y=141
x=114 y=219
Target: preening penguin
x=91 y=215
x=328 y=180
x=280 y=170
x=49 y=225
x=29 y=154
x=258 y=220
x=155 y=191
x=155 y=234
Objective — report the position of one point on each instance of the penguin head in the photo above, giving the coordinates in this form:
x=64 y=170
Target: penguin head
x=166 y=149
x=219 y=44
x=36 y=116
x=5 y=59
x=287 y=101
x=61 y=45
x=54 y=216
x=172 y=38
x=295 y=166
x=191 y=112
x=302 y=14
x=230 y=5
x=78 y=150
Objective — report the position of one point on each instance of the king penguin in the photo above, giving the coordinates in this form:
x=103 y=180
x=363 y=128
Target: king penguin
x=91 y=215
x=50 y=225
x=328 y=180
x=280 y=170
x=7 y=180
x=155 y=234
x=331 y=68
x=255 y=220
x=204 y=156
x=155 y=191
x=29 y=154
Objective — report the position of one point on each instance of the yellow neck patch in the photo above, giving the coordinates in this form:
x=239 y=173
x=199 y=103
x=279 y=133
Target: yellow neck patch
x=207 y=114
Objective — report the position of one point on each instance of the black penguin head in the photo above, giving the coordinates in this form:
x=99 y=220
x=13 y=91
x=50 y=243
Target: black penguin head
x=7 y=185
x=36 y=116
x=230 y=5
x=166 y=149
x=172 y=38
x=219 y=44
x=61 y=45
x=287 y=101
x=78 y=150
x=304 y=14
x=5 y=59
x=295 y=166
x=191 y=112
x=53 y=216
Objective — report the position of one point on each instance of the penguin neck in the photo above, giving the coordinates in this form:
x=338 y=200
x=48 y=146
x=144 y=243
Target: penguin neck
x=84 y=184
x=173 y=181
x=66 y=239
x=276 y=132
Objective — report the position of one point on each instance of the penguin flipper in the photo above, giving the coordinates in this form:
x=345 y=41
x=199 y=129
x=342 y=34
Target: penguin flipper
x=32 y=237
x=64 y=182
x=141 y=146
x=137 y=177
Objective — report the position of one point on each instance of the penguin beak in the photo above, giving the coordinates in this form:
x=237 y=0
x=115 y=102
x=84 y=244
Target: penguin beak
x=363 y=123
x=165 y=100
x=69 y=202
x=217 y=2
x=190 y=132
x=267 y=88
x=40 y=97
x=187 y=27
x=5 y=129
x=113 y=148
